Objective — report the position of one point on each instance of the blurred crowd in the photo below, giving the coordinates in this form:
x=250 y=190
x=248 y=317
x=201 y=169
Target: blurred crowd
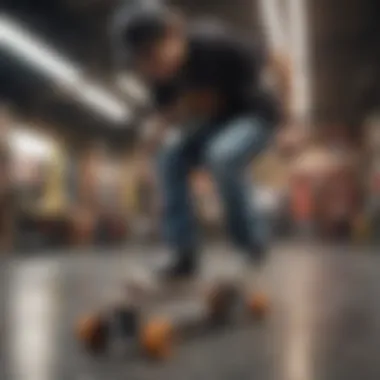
x=324 y=183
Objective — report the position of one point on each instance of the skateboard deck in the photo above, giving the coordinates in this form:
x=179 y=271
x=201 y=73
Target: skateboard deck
x=153 y=291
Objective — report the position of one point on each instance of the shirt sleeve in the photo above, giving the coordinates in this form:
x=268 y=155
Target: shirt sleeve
x=164 y=95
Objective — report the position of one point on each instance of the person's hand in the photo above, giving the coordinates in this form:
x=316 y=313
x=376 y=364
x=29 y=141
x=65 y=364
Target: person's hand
x=290 y=141
x=152 y=134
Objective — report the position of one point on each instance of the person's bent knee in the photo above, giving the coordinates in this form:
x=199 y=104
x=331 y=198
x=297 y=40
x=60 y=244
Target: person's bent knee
x=221 y=160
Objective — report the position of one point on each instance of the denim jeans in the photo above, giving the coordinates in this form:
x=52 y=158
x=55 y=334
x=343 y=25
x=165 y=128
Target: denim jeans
x=225 y=152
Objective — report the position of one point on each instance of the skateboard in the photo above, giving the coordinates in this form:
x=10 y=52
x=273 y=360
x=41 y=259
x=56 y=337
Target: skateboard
x=132 y=323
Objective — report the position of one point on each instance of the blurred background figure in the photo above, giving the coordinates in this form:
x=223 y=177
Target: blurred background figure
x=6 y=187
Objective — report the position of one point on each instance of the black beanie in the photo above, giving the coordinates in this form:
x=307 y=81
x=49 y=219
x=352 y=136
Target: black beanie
x=135 y=26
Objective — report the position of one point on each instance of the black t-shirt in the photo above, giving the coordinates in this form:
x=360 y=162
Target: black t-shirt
x=219 y=61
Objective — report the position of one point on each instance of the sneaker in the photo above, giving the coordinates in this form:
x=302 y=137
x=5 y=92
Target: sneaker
x=257 y=254
x=255 y=274
x=182 y=268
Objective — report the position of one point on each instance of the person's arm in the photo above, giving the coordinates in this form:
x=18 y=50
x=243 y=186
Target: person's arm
x=291 y=137
x=153 y=130
x=278 y=74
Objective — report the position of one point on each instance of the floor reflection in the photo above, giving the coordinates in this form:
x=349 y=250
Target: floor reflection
x=325 y=322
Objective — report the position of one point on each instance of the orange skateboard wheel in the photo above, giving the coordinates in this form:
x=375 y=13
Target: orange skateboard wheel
x=218 y=299
x=157 y=339
x=91 y=332
x=258 y=305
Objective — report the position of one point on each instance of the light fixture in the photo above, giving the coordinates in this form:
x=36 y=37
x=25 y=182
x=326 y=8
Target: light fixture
x=301 y=63
x=20 y=42
x=100 y=101
x=274 y=25
x=132 y=87
x=288 y=37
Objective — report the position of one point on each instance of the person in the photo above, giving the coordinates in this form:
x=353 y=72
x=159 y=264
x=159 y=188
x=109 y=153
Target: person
x=207 y=82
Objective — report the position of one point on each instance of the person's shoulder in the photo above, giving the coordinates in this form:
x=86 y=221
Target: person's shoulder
x=207 y=30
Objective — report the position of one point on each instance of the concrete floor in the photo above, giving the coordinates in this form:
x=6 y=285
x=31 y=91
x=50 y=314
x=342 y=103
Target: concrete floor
x=325 y=321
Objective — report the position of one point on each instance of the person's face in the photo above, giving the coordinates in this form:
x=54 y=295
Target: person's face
x=164 y=59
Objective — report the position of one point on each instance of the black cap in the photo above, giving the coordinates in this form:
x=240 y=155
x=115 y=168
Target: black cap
x=135 y=26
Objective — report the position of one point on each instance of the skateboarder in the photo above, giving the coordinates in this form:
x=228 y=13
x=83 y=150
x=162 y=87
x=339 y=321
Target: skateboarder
x=206 y=81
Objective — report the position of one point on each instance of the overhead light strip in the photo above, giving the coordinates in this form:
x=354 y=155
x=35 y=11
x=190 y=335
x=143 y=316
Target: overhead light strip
x=301 y=62
x=99 y=99
x=274 y=25
x=21 y=43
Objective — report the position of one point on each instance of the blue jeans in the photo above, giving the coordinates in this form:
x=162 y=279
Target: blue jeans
x=225 y=151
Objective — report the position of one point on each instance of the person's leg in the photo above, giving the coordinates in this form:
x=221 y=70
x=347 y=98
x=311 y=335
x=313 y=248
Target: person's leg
x=175 y=161
x=227 y=155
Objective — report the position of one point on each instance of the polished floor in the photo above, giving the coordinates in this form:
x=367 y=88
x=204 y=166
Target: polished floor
x=324 y=324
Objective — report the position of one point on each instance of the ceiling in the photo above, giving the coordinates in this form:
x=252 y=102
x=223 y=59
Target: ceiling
x=75 y=29
x=344 y=48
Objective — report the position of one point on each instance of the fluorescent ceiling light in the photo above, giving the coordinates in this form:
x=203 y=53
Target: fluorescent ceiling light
x=301 y=63
x=102 y=102
x=21 y=43
x=129 y=84
x=274 y=25
x=291 y=39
